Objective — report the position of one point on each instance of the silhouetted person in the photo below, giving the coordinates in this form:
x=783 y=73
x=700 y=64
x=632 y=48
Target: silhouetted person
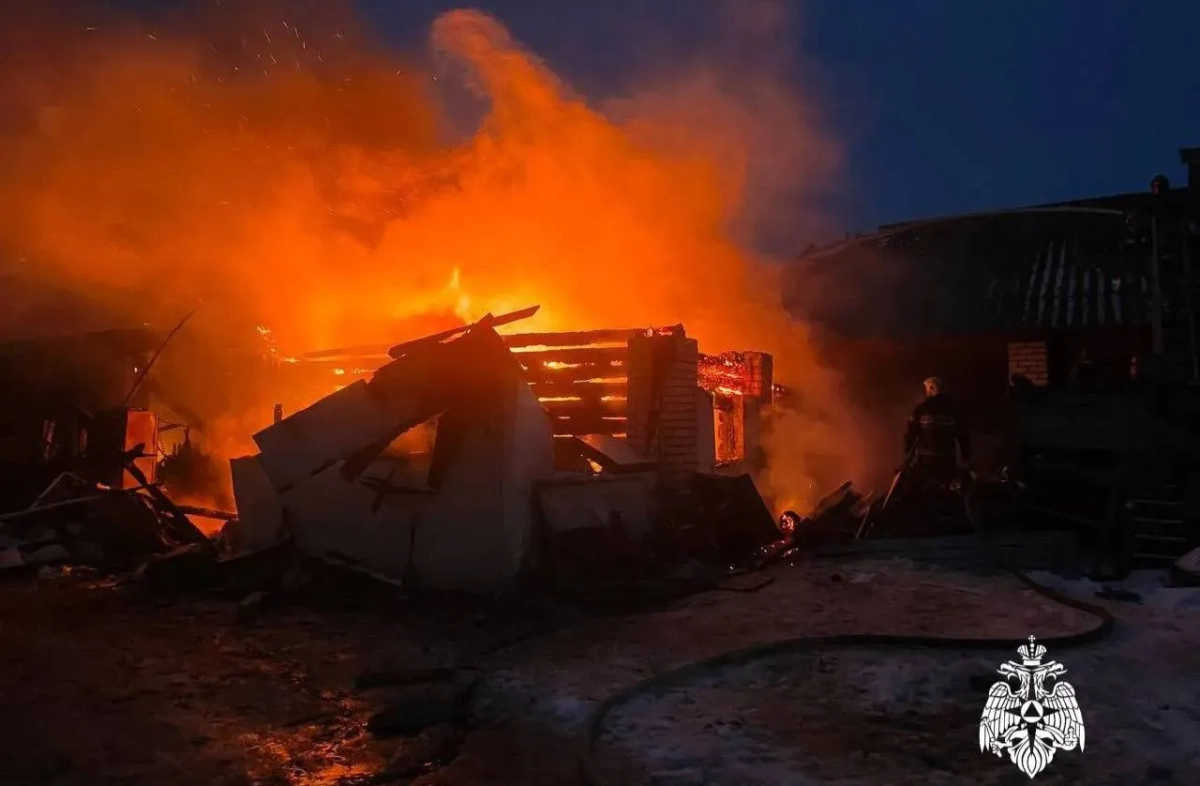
x=936 y=437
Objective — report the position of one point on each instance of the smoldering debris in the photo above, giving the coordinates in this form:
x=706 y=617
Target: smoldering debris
x=84 y=523
x=588 y=457
x=585 y=462
x=600 y=434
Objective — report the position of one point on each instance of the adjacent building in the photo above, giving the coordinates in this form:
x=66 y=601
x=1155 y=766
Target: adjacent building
x=1060 y=294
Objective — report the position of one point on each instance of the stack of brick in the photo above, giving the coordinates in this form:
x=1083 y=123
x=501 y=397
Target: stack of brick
x=1028 y=359
x=663 y=407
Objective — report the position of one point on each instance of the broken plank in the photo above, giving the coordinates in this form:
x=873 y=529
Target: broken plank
x=207 y=513
x=489 y=322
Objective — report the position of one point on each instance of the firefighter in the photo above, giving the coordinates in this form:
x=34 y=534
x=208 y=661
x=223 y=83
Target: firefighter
x=937 y=438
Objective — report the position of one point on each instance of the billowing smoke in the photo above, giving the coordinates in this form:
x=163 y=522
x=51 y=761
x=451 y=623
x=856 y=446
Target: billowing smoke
x=303 y=187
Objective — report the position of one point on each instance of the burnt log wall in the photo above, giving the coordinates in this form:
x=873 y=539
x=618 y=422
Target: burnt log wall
x=583 y=389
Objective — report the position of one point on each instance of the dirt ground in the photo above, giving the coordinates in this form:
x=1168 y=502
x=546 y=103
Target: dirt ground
x=117 y=686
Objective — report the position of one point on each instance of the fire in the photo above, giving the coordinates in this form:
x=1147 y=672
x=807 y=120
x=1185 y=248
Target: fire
x=545 y=347
x=462 y=301
x=301 y=180
x=727 y=374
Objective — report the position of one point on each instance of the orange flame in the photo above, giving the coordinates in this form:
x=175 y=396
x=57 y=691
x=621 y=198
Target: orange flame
x=302 y=183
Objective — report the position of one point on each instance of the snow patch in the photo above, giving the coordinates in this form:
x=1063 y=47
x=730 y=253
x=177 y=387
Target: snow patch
x=743 y=724
x=1149 y=585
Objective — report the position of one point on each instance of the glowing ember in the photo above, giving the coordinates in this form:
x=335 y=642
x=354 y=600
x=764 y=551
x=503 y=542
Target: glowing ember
x=731 y=374
x=548 y=348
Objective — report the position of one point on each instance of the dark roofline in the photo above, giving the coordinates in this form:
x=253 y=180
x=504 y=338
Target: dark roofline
x=1065 y=207
x=1105 y=205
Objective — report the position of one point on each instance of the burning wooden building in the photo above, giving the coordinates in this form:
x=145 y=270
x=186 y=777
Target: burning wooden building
x=649 y=387
x=513 y=423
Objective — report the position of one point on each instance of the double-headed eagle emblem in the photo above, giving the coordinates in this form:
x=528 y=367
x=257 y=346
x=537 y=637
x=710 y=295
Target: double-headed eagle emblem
x=1032 y=722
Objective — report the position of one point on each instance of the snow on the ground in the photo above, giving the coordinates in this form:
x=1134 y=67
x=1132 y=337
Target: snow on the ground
x=856 y=716
x=1149 y=585
x=511 y=693
x=789 y=732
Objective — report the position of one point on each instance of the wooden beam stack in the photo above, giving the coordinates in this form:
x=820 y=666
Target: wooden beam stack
x=581 y=378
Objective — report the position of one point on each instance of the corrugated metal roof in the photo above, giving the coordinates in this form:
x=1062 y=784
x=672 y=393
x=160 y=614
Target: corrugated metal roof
x=1068 y=267
x=1059 y=289
x=888 y=232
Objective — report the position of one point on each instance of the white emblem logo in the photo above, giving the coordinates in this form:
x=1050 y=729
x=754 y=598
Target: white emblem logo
x=1033 y=722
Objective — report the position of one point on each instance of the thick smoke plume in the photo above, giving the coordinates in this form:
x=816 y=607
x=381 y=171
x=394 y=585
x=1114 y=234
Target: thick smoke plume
x=305 y=189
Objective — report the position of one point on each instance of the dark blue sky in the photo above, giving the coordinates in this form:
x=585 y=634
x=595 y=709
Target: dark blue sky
x=947 y=106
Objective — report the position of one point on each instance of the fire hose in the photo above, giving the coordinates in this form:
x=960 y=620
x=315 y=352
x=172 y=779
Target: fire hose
x=594 y=726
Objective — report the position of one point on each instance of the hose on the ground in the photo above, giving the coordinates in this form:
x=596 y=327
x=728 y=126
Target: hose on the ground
x=594 y=726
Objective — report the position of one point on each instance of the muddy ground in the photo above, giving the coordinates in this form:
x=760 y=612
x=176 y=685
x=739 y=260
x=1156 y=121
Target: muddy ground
x=112 y=685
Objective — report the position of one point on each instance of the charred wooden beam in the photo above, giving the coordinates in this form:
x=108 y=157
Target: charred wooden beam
x=592 y=388
x=488 y=321
x=172 y=516
x=571 y=355
x=207 y=513
x=348 y=362
x=584 y=337
x=601 y=404
x=577 y=338
x=587 y=424
x=569 y=372
x=373 y=352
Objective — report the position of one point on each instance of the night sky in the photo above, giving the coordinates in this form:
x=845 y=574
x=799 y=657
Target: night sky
x=947 y=106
